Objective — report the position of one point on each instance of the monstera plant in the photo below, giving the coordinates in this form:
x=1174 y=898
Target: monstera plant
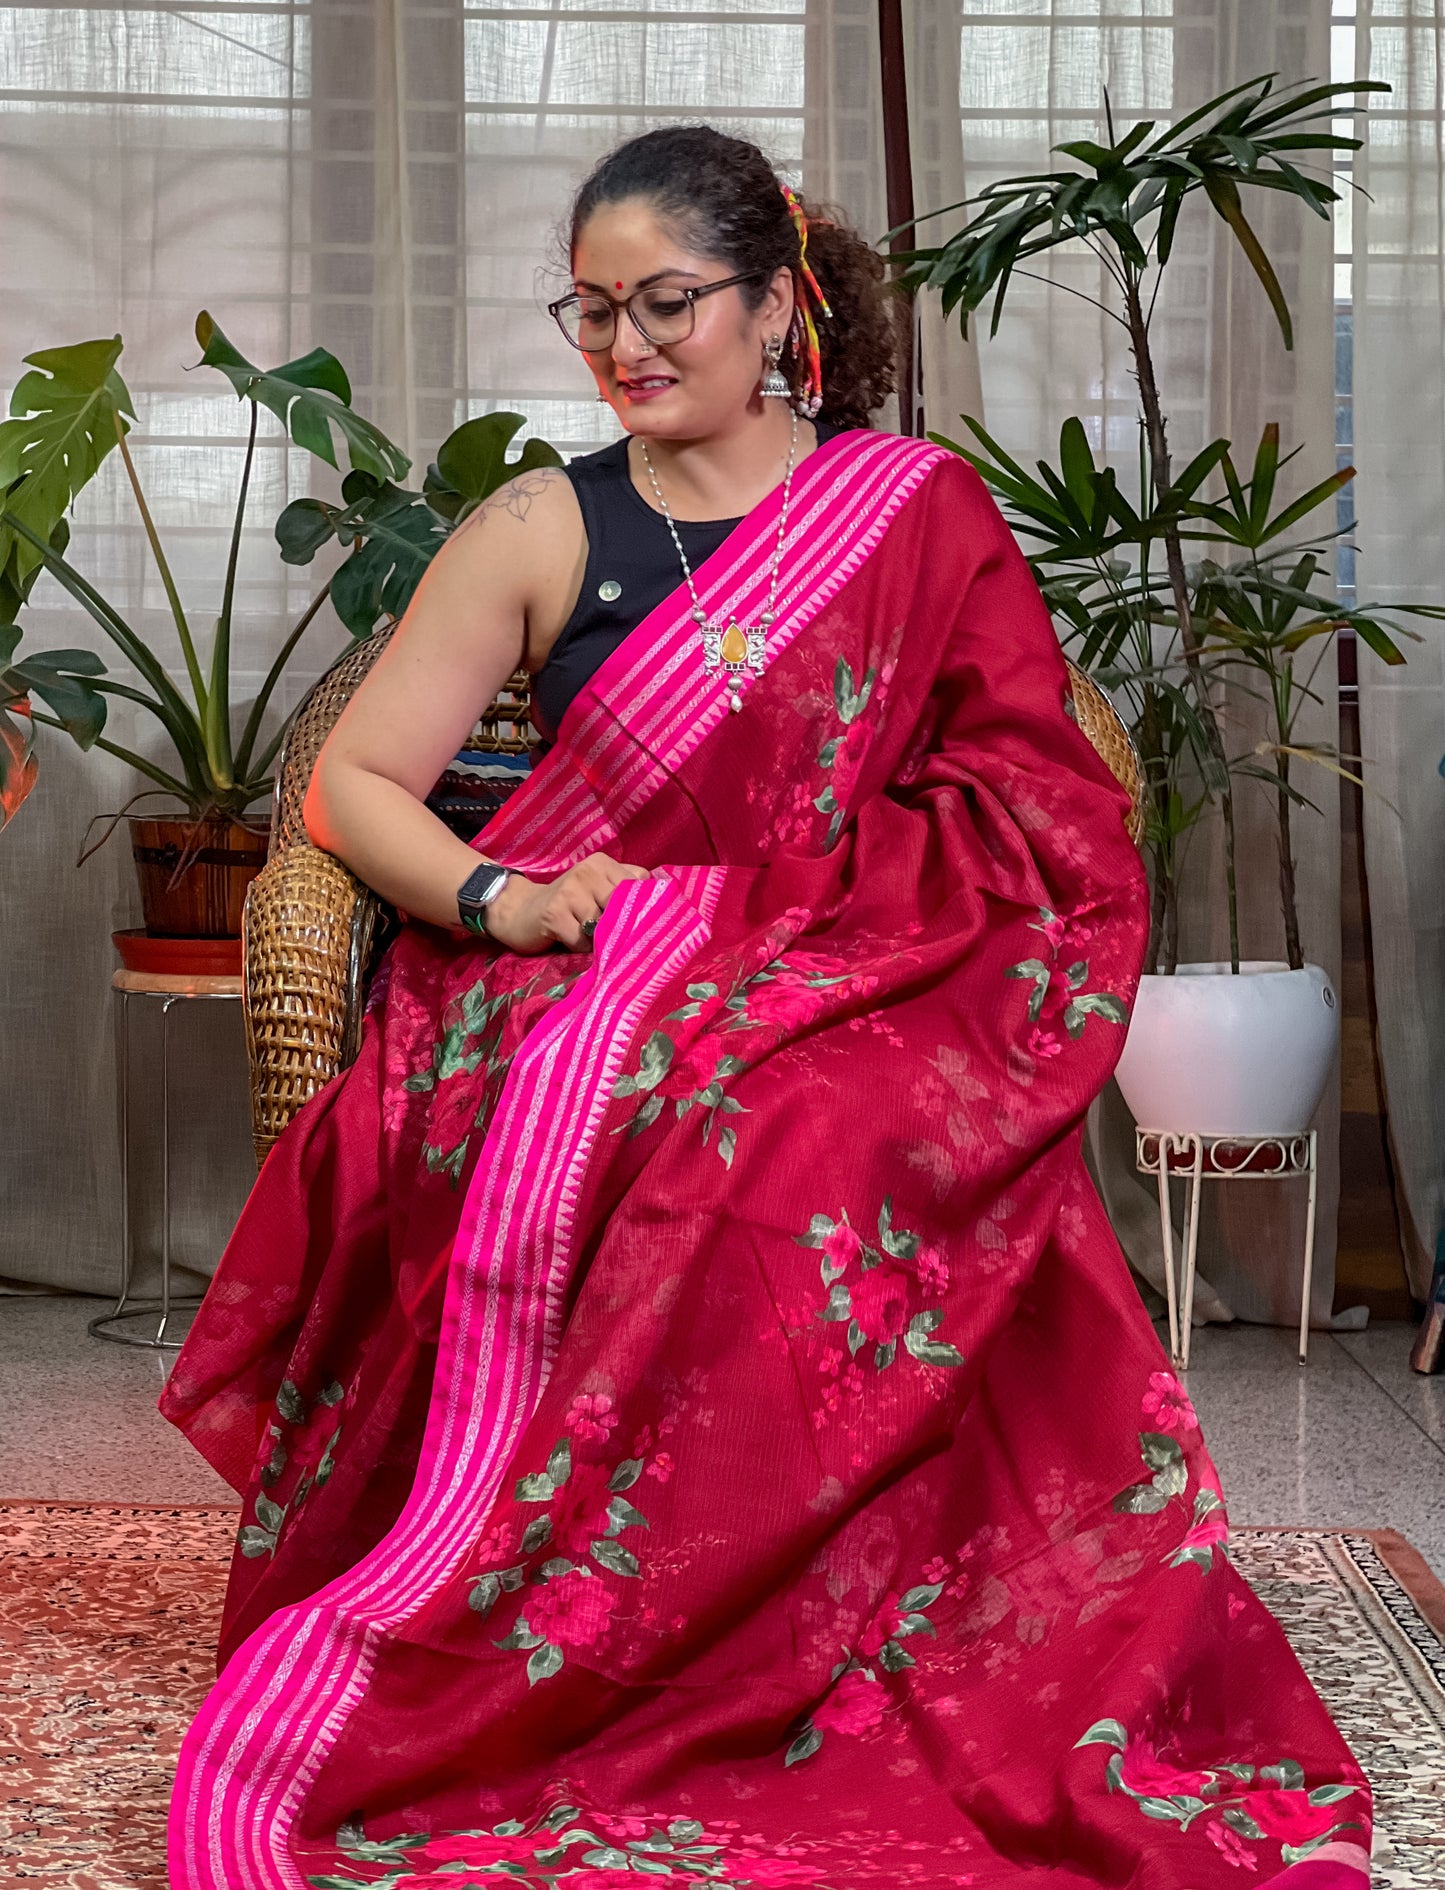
x=67 y=415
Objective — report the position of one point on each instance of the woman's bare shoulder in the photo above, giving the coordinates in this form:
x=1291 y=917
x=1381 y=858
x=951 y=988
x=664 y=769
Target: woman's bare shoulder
x=534 y=504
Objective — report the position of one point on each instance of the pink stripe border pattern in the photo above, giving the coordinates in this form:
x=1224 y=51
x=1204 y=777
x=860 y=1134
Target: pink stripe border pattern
x=275 y=1715
x=650 y=704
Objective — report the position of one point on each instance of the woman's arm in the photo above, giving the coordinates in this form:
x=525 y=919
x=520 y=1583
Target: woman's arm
x=496 y=592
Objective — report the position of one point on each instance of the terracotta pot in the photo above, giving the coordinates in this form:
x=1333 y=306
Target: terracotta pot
x=193 y=883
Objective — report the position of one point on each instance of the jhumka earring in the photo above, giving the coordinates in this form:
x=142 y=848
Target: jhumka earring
x=775 y=387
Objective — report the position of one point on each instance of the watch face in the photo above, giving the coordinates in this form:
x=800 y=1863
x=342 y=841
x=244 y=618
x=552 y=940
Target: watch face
x=483 y=885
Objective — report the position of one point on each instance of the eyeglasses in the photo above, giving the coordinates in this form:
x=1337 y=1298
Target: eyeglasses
x=660 y=315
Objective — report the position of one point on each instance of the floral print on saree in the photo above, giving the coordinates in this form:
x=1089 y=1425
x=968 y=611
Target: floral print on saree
x=757 y=1465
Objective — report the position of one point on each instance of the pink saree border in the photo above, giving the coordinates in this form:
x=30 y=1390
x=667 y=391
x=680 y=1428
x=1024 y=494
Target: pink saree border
x=654 y=682
x=275 y=1715
x=281 y=1704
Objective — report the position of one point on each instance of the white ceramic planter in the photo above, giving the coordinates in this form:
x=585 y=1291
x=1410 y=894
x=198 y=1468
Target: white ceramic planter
x=1211 y=1053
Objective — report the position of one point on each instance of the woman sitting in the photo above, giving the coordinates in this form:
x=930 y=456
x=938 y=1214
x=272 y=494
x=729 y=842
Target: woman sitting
x=693 y=1417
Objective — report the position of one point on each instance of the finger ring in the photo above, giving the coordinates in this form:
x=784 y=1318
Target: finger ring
x=589 y=928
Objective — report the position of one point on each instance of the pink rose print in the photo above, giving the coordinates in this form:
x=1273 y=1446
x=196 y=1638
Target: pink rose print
x=572 y=1610
x=454 y=1110
x=1275 y=1806
x=786 y=1000
x=1289 y=1815
x=481 y=1850
x=581 y=1512
x=881 y=1628
x=880 y=1303
x=1148 y=1773
x=1211 y=1520
x=840 y=1247
x=847 y=760
x=591 y=1417
x=1231 y=1846
x=854 y=1706
x=1166 y=1404
x=1059 y=995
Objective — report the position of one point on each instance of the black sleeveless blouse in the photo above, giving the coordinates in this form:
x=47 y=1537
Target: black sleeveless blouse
x=632 y=564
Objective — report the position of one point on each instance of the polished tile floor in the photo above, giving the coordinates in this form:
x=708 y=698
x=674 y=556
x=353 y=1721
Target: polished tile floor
x=1353 y=1439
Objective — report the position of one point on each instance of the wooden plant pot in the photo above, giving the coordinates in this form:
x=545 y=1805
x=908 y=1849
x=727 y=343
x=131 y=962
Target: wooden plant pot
x=193 y=875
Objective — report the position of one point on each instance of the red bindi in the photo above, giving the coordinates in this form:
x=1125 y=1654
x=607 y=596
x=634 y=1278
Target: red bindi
x=617 y=285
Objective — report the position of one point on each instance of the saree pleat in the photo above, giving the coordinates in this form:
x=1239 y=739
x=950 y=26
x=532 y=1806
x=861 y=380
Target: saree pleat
x=692 y=1414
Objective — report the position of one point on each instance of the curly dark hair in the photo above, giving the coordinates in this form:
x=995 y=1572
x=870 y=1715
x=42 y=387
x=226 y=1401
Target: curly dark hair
x=724 y=199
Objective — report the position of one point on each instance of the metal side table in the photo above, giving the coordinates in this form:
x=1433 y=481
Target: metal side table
x=166 y=989
x=1200 y=1158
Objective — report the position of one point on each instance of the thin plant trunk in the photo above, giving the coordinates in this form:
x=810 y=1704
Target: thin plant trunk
x=1174 y=555
x=1171 y=919
x=1157 y=895
x=1287 y=898
x=1151 y=755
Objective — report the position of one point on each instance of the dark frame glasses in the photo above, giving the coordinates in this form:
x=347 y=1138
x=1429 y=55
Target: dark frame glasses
x=690 y=293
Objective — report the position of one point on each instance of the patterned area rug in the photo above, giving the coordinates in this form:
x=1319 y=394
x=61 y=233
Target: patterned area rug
x=108 y=1619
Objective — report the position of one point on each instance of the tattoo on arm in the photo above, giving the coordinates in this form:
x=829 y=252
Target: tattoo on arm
x=516 y=496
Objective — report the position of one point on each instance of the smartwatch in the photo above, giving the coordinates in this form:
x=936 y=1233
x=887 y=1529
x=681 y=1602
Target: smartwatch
x=477 y=892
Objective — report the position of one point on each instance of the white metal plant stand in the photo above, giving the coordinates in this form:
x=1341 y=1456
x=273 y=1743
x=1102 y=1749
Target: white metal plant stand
x=166 y=989
x=1200 y=1158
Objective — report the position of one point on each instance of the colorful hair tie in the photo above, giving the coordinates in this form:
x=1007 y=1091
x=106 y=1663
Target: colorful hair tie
x=812 y=355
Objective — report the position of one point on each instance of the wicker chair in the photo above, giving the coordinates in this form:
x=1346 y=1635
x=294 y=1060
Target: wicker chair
x=311 y=929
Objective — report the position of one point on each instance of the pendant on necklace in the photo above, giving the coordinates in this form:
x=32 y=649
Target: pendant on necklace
x=735 y=650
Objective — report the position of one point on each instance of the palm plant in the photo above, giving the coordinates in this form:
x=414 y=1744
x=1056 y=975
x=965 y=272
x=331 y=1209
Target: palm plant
x=1260 y=616
x=1122 y=201
x=1263 y=617
x=67 y=416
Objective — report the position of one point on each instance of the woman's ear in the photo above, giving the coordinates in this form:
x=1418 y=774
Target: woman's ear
x=777 y=305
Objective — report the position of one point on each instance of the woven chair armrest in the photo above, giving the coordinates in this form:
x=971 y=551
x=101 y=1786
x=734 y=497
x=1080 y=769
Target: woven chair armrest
x=306 y=940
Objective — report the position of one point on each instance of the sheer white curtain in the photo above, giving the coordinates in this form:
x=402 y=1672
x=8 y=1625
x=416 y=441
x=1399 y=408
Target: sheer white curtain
x=1031 y=74
x=1399 y=380
x=384 y=179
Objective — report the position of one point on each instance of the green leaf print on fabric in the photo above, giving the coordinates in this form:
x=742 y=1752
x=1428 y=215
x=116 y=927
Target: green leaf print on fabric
x=876 y=1304
x=842 y=754
x=1166 y=1404
x=1235 y=1806
x=1056 y=1000
x=571 y=1844
x=856 y=1697
x=563 y=1602
x=473 y=1026
x=656 y=1063
x=262 y=1536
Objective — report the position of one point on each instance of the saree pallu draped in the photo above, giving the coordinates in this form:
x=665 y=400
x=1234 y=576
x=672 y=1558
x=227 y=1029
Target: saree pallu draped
x=694 y=1419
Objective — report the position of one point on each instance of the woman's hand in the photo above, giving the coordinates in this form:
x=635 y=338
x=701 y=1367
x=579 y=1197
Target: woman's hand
x=528 y=918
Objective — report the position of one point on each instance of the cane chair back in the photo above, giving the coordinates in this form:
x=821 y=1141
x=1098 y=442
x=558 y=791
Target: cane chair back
x=1104 y=726
x=311 y=929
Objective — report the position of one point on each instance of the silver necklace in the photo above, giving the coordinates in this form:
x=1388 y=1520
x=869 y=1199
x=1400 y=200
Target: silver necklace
x=738 y=647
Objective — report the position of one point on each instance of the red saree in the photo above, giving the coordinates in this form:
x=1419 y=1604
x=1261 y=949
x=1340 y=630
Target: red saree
x=694 y=1419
